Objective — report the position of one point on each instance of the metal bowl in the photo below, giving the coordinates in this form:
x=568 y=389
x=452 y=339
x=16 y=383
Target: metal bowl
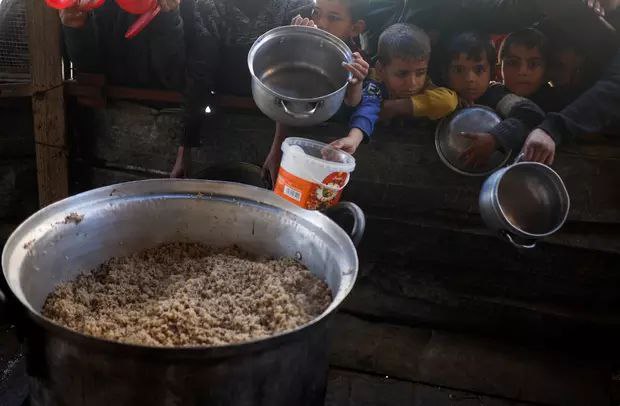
x=450 y=144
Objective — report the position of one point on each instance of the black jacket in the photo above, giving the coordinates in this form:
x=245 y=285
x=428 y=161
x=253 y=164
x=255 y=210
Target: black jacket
x=597 y=110
x=153 y=59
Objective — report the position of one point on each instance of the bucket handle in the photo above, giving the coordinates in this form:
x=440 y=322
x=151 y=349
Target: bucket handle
x=359 y=219
x=302 y=115
x=515 y=244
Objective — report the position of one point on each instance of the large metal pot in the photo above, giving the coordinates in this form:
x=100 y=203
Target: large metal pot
x=68 y=368
x=524 y=202
x=297 y=74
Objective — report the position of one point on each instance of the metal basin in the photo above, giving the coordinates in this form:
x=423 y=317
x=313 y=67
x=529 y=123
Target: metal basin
x=450 y=144
x=68 y=368
x=297 y=74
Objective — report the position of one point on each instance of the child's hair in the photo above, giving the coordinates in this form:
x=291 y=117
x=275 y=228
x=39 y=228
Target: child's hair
x=474 y=46
x=358 y=8
x=527 y=37
x=403 y=41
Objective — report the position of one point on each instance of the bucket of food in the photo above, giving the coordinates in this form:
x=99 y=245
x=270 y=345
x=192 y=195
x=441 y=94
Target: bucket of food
x=177 y=292
x=312 y=174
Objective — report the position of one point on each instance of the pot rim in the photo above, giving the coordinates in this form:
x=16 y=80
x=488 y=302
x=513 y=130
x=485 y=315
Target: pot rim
x=514 y=228
x=282 y=31
x=189 y=187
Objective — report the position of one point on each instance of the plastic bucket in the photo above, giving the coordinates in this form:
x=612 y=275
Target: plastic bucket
x=312 y=174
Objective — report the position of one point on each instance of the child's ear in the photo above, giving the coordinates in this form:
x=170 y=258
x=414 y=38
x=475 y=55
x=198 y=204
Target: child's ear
x=379 y=68
x=358 y=28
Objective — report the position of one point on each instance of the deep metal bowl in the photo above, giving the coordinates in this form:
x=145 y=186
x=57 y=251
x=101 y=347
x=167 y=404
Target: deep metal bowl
x=450 y=144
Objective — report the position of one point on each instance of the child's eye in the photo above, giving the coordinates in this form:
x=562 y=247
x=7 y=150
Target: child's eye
x=479 y=70
x=333 y=18
x=458 y=69
x=513 y=63
x=534 y=64
x=315 y=14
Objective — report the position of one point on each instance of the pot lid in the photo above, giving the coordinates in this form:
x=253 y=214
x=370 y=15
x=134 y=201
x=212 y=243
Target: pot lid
x=451 y=144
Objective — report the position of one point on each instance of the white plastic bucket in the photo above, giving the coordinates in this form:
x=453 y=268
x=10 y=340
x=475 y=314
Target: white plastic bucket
x=313 y=174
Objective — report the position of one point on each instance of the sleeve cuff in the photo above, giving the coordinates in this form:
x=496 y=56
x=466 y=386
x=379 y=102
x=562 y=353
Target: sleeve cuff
x=509 y=134
x=553 y=126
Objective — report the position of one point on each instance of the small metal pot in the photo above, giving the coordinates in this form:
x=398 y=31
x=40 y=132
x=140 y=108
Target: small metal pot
x=524 y=202
x=69 y=368
x=297 y=74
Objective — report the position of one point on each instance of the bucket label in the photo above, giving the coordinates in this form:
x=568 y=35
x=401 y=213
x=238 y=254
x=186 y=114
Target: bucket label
x=310 y=195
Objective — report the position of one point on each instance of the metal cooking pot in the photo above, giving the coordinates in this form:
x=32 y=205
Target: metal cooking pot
x=69 y=368
x=524 y=202
x=297 y=74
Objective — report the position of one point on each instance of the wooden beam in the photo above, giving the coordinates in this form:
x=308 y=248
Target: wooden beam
x=9 y=90
x=48 y=105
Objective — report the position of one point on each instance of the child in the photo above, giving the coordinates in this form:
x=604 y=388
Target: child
x=524 y=58
x=402 y=88
x=469 y=61
x=344 y=19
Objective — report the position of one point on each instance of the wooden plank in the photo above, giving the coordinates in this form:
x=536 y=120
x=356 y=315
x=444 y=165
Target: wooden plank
x=347 y=388
x=48 y=107
x=52 y=173
x=15 y=90
x=471 y=363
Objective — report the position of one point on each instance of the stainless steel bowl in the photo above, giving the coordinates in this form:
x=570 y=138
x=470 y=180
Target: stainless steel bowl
x=450 y=144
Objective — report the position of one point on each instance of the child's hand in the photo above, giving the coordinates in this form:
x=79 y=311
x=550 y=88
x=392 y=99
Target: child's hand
x=358 y=68
x=595 y=5
x=539 y=147
x=350 y=142
x=73 y=17
x=479 y=152
x=304 y=22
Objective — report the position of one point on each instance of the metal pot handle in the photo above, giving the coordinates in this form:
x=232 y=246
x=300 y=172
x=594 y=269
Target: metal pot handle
x=515 y=244
x=359 y=219
x=305 y=114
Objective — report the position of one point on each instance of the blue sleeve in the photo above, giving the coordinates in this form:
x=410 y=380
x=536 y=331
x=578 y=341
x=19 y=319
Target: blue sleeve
x=367 y=112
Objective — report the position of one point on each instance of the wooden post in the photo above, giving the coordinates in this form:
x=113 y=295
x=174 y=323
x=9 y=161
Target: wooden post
x=48 y=104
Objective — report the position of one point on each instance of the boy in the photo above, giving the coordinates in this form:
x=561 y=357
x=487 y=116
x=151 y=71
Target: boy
x=402 y=88
x=469 y=61
x=527 y=61
x=524 y=58
x=344 y=19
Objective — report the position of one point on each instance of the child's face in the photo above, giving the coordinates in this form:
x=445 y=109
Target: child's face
x=334 y=17
x=403 y=77
x=468 y=77
x=523 y=70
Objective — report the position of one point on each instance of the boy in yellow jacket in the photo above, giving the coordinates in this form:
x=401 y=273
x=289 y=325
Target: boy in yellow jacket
x=399 y=87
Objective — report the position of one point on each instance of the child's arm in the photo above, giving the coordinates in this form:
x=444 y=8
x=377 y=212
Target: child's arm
x=363 y=119
x=272 y=162
x=433 y=103
x=520 y=115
